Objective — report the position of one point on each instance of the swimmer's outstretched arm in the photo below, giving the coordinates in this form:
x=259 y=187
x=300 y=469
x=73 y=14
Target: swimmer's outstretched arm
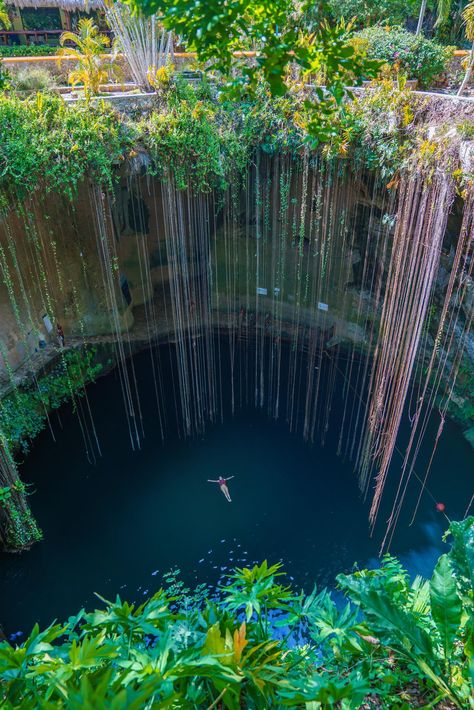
x=209 y=480
x=228 y=479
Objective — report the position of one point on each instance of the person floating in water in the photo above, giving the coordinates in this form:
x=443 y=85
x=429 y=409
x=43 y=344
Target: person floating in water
x=223 y=486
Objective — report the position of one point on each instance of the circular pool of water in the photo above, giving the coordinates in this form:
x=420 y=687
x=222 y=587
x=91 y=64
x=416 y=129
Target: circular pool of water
x=117 y=526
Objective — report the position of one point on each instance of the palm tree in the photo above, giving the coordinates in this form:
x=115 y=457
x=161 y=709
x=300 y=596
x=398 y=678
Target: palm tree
x=444 y=9
x=468 y=18
x=90 y=45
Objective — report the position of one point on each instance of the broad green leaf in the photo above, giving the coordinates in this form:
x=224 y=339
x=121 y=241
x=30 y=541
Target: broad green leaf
x=446 y=606
x=462 y=556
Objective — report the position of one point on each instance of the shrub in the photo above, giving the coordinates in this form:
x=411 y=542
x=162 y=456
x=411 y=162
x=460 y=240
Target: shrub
x=27 y=50
x=418 y=57
x=34 y=79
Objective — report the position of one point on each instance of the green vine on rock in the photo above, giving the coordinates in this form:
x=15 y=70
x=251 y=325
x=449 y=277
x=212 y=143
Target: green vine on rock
x=23 y=413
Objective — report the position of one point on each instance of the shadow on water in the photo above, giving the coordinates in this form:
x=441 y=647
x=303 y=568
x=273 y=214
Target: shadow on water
x=117 y=526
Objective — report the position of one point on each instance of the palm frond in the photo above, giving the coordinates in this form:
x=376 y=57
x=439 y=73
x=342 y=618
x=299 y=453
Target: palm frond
x=468 y=19
x=444 y=8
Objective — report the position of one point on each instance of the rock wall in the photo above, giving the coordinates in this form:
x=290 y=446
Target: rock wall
x=54 y=269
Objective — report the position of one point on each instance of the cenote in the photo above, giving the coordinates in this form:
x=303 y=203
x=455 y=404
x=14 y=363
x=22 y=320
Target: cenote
x=117 y=525
x=194 y=287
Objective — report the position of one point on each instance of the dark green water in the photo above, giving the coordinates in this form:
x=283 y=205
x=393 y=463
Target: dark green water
x=117 y=526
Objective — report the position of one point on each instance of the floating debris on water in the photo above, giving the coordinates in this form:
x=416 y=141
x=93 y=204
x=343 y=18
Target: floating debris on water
x=153 y=574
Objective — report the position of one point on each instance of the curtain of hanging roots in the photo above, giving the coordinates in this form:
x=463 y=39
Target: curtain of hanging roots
x=421 y=222
x=317 y=280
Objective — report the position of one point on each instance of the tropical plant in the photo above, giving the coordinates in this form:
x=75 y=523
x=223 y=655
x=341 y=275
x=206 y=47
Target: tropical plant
x=89 y=46
x=427 y=624
x=137 y=36
x=443 y=12
x=161 y=79
x=256 y=643
x=92 y=141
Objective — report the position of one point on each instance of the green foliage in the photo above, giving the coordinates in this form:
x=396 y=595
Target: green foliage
x=278 y=31
x=377 y=128
x=256 y=592
x=204 y=137
x=446 y=606
x=435 y=635
x=4 y=19
x=259 y=644
x=418 y=57
x=372 y=12
x=23 y=413
x=44 y=142
x=33 y=79
x=461 y=536
x=197 y=141
x=27 y=50
x=5 y=79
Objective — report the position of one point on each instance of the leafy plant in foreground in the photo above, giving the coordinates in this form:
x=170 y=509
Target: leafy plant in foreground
x=427 y=625
x=259 y=644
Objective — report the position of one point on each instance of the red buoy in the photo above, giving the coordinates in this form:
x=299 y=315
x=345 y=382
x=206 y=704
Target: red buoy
x=440 y=507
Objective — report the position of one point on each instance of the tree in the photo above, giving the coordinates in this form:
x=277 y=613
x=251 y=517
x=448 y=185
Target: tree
x=468 y=17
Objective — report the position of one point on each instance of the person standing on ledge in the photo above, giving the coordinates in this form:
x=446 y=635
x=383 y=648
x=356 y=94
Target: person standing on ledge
x=60 y=333
x=223 y=486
